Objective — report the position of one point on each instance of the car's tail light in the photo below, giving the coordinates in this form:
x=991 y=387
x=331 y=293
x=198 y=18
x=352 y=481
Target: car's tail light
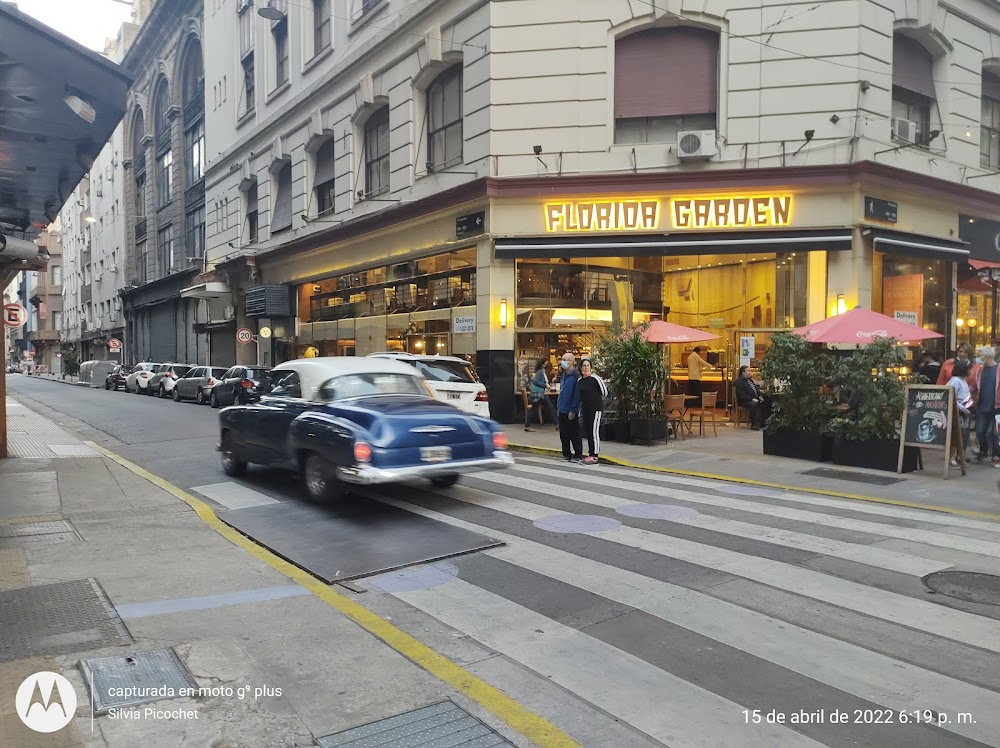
x=362 y=452
x=499 y=440
x=168 y=375
x=144 y=375
x=246 y=384
x=210 y=382
x=482 y=396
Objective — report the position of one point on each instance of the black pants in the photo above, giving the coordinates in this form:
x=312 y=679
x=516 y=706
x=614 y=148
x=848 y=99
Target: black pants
x=569 y=435
x=694 y=388
x=592 y=431
x=759 y=412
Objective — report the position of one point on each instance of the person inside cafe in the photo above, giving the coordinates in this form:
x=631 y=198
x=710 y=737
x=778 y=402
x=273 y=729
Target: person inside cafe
x=696 y=369
x=538 y=395
x=750 y=396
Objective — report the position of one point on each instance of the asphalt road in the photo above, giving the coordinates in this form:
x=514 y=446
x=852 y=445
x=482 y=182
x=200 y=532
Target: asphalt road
x=636 y=609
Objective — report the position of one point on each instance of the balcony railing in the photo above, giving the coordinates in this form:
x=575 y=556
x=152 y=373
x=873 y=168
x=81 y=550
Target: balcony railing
x=436 y=291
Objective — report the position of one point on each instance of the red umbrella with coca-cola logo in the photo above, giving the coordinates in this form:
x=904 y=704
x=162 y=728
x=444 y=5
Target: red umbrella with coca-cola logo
x=860 y=326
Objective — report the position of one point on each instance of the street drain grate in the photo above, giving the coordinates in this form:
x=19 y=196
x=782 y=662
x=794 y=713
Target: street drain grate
x=970 y=586
x=32 y=534
x=444 y=725
x=60 y=618
x=136 y=678
x=873 y=480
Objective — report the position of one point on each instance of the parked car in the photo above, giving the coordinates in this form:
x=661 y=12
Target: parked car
x=241 y=384
x=453 y=380
x=161 y=384
x=14 y=369
x=346 y=421
x=116 y=378
x=197 y=384
x=138 y=380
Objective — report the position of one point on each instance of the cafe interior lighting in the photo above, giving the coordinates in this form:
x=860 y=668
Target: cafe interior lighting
x=503 y=313
x=959 y=322
x=841 y=304
x=971 y=322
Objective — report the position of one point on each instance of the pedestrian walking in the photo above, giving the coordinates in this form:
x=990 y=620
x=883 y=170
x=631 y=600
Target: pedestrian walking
x=988 y=398
x=593 y=390
x=696 y=367
x=568 y=406
x=963 y=397
x=538 y=396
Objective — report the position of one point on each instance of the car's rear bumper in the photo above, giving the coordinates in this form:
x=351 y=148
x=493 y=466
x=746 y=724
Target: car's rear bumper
x=367 y=475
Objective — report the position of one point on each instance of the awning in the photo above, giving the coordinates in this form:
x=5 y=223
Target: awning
x=915 y=245
x=213 y=290
x=717 y=242
x=984 y=264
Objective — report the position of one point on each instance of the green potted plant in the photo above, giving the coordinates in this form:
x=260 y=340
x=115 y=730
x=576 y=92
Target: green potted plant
x=796 y=372
x=70 y=362
x=874 y=384
x=634 y=368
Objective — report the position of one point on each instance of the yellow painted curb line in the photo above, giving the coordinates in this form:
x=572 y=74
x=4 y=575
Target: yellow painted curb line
x=537 y=729
x=546 y=451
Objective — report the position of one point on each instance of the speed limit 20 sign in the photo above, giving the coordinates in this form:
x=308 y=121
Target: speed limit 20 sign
x=244 y=335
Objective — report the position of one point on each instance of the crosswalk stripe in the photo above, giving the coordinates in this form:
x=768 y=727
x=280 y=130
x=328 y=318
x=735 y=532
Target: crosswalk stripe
x=917 y=614
x=929 y=537
x=863 y=554
x=918 y=515
x=685 y=714
x=843 y=665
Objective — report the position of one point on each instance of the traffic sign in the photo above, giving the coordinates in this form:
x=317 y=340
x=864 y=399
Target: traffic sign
x=114 y=344
x=14 y=315
x=265 y=332
x=244 y=335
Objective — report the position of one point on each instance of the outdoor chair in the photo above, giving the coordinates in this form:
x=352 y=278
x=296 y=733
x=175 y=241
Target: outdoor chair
x=527 y=407
x=675 y=415
x=708 y=400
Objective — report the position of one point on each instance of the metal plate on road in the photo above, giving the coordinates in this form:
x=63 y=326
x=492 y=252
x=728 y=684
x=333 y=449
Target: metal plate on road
x=970 y=586
x=154 y=669
x=360 y=538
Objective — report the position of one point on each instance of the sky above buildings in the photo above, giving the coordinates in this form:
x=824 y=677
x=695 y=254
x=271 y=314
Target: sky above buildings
x=89 y=22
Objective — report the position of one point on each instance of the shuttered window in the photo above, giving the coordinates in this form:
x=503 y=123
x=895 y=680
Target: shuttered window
x=667 y=73
x=912 y=66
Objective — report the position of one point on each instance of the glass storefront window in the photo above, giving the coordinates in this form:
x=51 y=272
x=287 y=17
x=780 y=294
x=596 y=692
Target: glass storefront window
x=915 y=290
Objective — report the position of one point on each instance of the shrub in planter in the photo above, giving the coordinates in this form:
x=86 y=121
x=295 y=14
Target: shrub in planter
x=633 y=370
x=800 y=415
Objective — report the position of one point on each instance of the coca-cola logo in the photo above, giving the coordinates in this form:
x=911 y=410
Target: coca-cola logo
x=873 y=333
x=678 y=337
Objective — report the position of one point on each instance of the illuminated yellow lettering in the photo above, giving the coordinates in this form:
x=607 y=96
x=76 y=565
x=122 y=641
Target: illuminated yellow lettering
x=604 y=216
x=782 y=207
x=573 y=217
x=741 y=211
x=630 y=212
x=760 y=209
x=586 y=216
x=650 y=214
x=682 y=214
x=722 y=212
x=554 y=216
x=702 y=212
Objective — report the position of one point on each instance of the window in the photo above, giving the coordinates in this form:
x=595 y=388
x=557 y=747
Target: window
x=192 y=75
x=280 y=33
x=164 y=178
x=444 y=119
x=246 y=30
x=377 y=152
x=252 y=213
x=57 y=318
x=165 y=250
x=140 y=261
x=161 y=124
x=912 y=89
x=989 y=133
x=281 y=202
x=195 y=226
x=286 y=384
x=57 y=275
x=249 y=86
x=371 y=385
x=325 y=166
x=322 y=21
x=195 y=148
x=666 y=82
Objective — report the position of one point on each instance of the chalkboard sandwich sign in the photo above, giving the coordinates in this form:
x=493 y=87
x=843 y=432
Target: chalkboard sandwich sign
x=930 y=421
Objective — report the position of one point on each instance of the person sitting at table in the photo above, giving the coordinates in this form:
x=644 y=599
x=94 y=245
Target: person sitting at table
x=748 y=395
x=538 y=395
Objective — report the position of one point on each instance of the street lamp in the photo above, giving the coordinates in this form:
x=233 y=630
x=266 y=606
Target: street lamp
x=270 y=12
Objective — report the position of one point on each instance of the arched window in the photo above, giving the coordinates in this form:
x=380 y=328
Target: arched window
x=164 y=154
x=377 y=152
x=912 y=91
x=989 y=133
x=193 y=100
x=192 y=74
x=139 y=163
x=161 y=104
x=666 y=82
x=138 y=133
x=444 y=119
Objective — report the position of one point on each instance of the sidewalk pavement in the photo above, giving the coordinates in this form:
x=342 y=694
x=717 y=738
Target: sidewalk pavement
x=95 y=560
x=737 y=454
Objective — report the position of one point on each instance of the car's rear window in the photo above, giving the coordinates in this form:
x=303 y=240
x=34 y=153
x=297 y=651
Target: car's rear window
x=368 y=385
x=218 y=372
x=181 y=370
x=446 y=371
x=258 y=375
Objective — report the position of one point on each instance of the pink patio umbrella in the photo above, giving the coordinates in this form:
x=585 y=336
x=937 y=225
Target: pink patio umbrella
x=860 y=326
x=668 y=332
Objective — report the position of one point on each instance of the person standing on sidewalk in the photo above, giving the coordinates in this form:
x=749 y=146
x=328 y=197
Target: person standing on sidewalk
x=593 y=390
x=696 y=367
x=538 y=395
x=568 y=406
x=963 y=398
x=988 y=388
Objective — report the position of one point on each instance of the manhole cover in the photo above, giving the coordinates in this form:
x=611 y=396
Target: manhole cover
x=971 y=586
x=444 y=725
x=51 y=619
x=136 y=678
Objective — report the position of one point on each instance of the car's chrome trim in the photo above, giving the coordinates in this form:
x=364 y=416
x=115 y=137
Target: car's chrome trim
x=367 y=475
x=431 y=429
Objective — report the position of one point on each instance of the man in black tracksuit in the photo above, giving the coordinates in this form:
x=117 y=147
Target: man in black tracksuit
x=593 y=390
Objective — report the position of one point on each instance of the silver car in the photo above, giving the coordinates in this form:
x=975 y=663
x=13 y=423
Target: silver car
x=161 y=384
x=138 y=380
x=197 y=384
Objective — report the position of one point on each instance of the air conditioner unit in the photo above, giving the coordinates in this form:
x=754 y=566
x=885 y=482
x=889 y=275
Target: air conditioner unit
x=904 y=129
x=696 y=144
x=229 y=312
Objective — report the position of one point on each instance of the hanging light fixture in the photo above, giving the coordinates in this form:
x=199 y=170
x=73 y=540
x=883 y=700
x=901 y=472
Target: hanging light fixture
x=503 y=312
x=270 y=12
x=841 y=304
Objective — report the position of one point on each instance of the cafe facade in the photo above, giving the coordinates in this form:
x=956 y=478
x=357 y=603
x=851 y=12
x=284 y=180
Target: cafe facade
x=505 y=272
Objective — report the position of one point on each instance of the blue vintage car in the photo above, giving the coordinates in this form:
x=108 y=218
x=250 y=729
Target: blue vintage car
x=344 y=420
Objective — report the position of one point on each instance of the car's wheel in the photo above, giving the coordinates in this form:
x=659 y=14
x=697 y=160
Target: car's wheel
x=444 y=481
x=176 y=394
x=107 y=386
x=231 y=464
x=213 y=400
x=321 y=479
x=199 y=397
x=138 y=389
x=162 y=392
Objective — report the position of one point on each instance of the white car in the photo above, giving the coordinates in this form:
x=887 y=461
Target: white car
x=138 y=380
x=452 y=380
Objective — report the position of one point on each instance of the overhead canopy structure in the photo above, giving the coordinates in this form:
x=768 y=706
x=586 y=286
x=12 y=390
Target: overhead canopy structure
x=59 y=105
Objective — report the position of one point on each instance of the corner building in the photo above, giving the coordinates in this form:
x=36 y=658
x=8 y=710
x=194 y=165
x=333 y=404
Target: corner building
x=504 y=180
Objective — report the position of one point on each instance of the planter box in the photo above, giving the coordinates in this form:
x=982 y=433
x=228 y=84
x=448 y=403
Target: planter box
x=874 y=454
x=623 y=431
x=608 y=430
x=648 y=430
x=800 y=445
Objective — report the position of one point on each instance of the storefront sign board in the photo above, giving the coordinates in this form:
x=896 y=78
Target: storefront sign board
x=910 y=318
x=470 y=225
x=881 y=210
x=904 y=293
x=731 y=212
x=463 y=324
x=930 y=421
x=748 y=350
